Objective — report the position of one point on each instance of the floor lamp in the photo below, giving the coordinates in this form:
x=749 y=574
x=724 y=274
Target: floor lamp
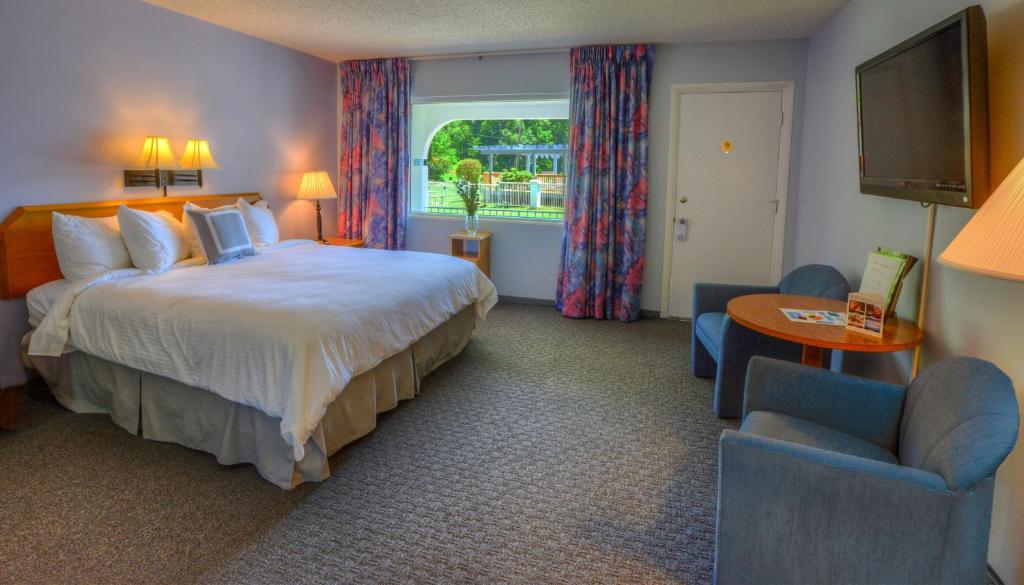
x=992 y=242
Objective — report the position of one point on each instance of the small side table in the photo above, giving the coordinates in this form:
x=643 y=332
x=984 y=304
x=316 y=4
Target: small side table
x=347 y=242
x=761 y=313
x=9 y=408
x=481 y=256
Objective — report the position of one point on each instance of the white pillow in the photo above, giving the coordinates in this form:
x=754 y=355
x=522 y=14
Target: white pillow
x=195 y=246
x=260 y=222
x=155 y=240
x=87 y=246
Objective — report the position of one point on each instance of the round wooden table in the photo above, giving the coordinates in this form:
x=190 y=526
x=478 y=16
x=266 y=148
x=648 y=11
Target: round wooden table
x=761 y=313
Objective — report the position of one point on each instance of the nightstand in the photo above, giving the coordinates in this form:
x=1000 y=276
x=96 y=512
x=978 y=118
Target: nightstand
x=481 y=256
x=347 y=242
x=9 y=408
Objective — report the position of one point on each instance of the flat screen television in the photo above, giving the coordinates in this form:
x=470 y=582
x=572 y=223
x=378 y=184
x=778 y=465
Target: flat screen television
x=922 y=113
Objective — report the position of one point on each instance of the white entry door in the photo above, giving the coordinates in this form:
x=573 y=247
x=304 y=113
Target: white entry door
x=727 y=192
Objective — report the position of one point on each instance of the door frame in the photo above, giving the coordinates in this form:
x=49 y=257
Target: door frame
x=782 y=185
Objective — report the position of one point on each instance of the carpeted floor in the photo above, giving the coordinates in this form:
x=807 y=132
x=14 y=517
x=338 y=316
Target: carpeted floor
x=550 y=451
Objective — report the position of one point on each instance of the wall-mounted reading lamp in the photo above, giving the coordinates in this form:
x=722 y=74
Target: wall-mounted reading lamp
x=158 y=167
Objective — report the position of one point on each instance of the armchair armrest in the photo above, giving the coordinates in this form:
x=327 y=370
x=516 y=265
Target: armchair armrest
x=866 y=409
x=712 y=298
x=788 y=513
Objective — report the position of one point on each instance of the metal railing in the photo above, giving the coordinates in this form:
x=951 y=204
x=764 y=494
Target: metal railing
x=526 y=213
x=442 y=194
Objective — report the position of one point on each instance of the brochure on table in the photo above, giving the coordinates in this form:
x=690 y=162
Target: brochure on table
x=865 y=313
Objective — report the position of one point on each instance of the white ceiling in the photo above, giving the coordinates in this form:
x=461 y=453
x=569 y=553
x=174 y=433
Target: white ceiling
x=359 y=29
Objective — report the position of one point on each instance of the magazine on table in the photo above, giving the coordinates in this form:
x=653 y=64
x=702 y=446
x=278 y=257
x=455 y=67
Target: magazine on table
x=815 y=317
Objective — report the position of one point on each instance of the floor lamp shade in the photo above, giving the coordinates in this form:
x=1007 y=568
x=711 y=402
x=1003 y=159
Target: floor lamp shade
x=992 y=242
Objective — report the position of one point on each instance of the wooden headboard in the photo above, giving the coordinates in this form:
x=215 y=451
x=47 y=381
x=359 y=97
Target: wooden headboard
x=27 y=256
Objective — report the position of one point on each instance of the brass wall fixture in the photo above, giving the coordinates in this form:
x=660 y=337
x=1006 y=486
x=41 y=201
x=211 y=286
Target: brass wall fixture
x=157 y=166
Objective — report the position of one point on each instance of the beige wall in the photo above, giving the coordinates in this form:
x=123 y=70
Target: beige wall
x=967 y=315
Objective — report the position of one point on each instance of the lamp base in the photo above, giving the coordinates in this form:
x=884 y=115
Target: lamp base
x=319 y=226
x=320 y=240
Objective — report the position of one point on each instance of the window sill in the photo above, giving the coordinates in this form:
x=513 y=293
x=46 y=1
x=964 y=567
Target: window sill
x=485 y=220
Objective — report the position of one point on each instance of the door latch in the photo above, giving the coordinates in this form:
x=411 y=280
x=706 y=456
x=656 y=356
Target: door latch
x=682 y=227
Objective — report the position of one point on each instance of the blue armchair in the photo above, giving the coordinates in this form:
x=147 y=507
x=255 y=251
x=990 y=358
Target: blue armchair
x=722 y=348
x=836 y=479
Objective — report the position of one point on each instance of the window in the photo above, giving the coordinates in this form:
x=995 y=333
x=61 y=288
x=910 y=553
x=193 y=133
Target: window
x=521 y=147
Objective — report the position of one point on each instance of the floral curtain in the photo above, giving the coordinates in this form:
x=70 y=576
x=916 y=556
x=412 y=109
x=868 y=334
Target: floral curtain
x=602 y=268
x=374 y=171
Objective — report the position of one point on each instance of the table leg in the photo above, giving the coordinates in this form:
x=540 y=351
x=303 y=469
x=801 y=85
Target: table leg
x=813 y=356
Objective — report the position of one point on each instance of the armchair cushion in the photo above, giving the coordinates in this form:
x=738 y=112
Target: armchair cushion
x=795 y=430
x=709 y=331
x=713 y=298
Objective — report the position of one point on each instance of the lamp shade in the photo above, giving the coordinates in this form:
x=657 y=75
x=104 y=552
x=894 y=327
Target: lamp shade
x=317 y=185
x=198 y=156
x=992 y=242
x=156 y=154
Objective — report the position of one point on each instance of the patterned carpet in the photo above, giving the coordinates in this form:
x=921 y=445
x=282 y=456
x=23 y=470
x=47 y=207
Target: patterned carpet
x=550 y=451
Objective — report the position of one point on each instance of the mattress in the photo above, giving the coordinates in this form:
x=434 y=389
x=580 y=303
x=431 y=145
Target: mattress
x=282 y=332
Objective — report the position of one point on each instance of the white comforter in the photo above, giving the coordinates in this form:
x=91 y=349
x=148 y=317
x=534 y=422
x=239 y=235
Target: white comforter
x=283 y=331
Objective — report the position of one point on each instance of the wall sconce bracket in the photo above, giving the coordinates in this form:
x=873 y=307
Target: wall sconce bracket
x=162 y=178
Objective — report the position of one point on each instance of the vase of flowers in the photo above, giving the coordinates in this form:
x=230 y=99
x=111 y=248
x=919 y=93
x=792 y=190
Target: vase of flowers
x=469 y=193
x=469 y=172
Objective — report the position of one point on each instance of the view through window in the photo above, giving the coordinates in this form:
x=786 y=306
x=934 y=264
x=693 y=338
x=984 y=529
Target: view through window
x=522 y=163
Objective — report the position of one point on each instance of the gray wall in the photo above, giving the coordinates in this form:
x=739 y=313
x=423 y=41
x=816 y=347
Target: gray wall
x=710 y=63
x=967 y=315
x=82 y=83
x=526 y=255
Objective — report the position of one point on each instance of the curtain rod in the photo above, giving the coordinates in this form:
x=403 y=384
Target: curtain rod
x=489 y=54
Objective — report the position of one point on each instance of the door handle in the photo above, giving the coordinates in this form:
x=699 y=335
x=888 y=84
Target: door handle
x=684 y=199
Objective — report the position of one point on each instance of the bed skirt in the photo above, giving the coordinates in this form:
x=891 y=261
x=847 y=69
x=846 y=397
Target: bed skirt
x=166 y=410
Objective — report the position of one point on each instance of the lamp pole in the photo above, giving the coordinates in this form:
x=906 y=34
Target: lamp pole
x=319 y=225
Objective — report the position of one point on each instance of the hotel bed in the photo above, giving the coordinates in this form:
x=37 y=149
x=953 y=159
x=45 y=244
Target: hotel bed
x=278 y=359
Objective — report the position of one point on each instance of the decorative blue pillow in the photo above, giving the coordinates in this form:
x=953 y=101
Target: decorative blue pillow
x=222 y=234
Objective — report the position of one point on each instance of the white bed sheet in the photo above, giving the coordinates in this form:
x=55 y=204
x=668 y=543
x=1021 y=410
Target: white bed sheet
x=40 y=299
x=283 y=331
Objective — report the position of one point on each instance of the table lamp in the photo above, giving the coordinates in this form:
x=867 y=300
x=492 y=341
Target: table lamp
x=992 y=242
x=316 y=186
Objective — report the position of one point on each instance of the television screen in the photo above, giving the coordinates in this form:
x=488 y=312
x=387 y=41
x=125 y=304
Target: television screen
x=922 y=114
x=913 y=113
